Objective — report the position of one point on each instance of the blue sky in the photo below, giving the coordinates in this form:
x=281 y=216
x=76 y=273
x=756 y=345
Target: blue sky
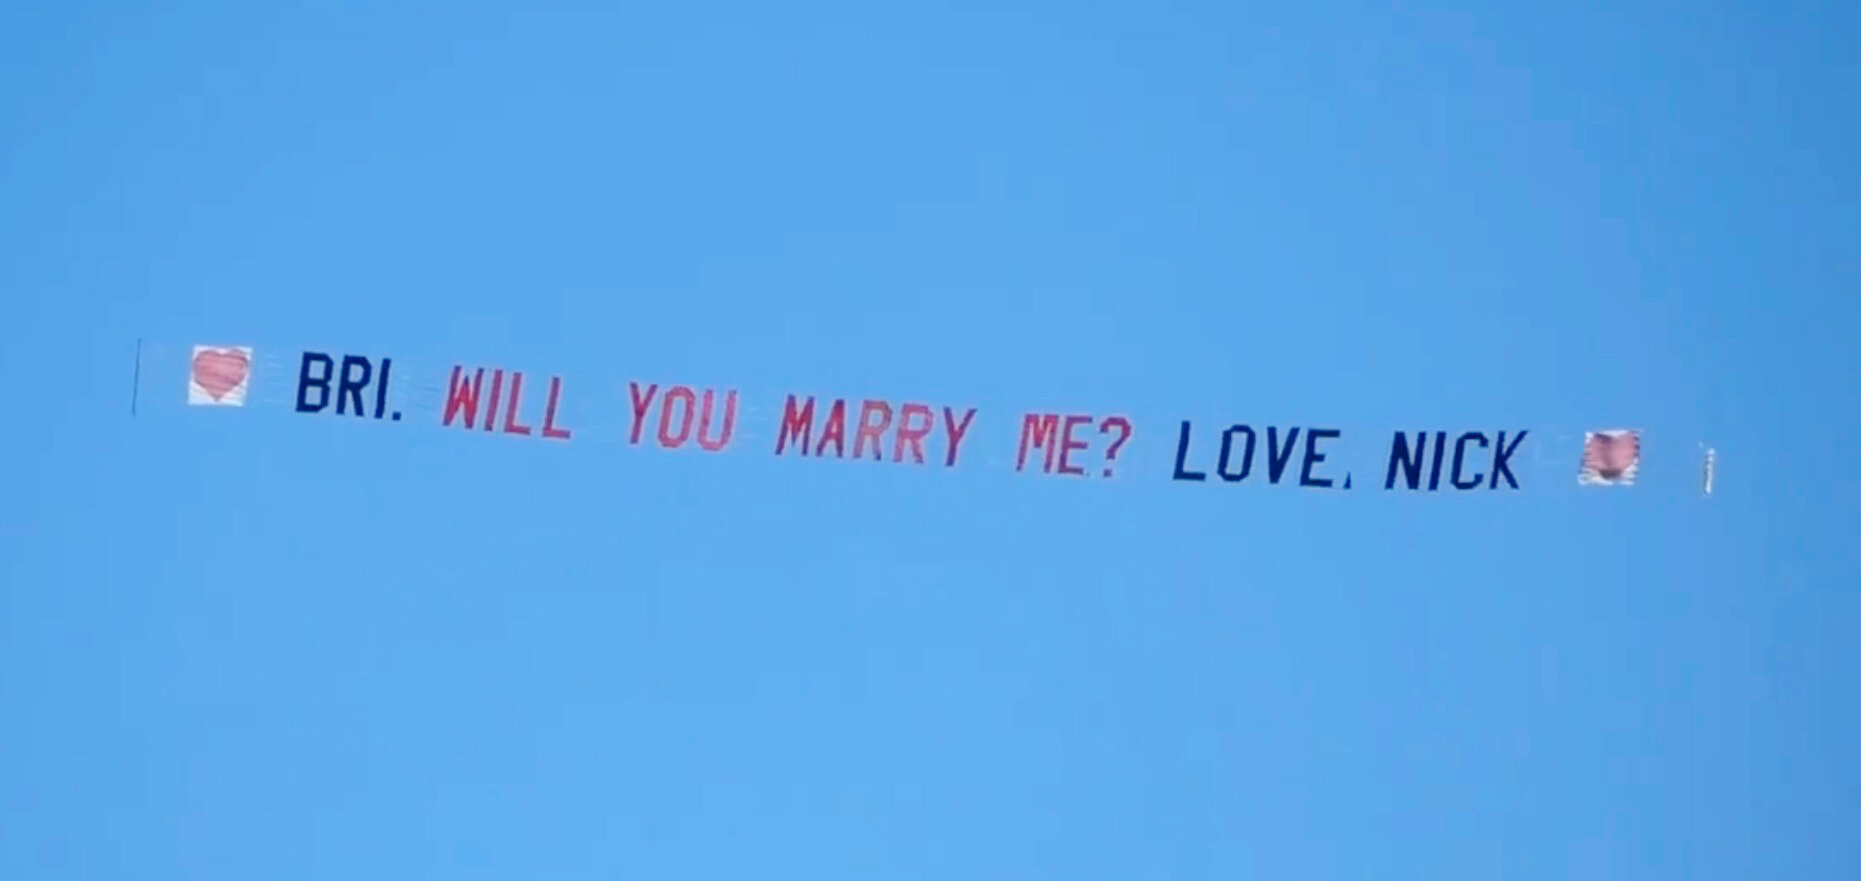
x=254 y=643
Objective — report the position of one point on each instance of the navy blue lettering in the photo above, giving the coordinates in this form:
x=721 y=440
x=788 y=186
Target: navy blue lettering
x=1313 y=456
x=351 y=386
x=381 y=388
x=306 y=382
x=1409 y=460
x=1278 y=457
x=1434 y=476
x=1460 y=453
x=1182 y=453
x=1502 y=459
x=1247 y=457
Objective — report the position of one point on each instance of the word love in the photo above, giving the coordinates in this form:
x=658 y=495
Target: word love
x=1239 y=444
x=1054 y=435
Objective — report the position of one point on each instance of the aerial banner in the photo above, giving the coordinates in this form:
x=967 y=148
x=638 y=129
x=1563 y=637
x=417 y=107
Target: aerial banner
x=541 y=406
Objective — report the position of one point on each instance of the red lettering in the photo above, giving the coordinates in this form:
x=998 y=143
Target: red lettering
x=1037 y=430
x=460 y=396
x=676 y=393
x=908 y=434
x=797 y=424
x=549 y=411
x=639 y=407
x=1067 y=444
x=867 y=429
x=510 y=412
x=491 y=409
x=956 y=431
x=835 y=430
x=704 y=422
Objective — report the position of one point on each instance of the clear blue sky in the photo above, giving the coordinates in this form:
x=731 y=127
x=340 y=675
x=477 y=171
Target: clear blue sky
x=241 y=644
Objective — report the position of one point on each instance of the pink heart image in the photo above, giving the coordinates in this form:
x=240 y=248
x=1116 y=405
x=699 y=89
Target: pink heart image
x=1611 y=455
x=219 y=371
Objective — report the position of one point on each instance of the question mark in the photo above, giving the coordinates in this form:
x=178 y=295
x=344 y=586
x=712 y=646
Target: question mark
x=1124 y=434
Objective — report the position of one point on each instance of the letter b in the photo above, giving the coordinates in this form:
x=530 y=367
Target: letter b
x=307 y=382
